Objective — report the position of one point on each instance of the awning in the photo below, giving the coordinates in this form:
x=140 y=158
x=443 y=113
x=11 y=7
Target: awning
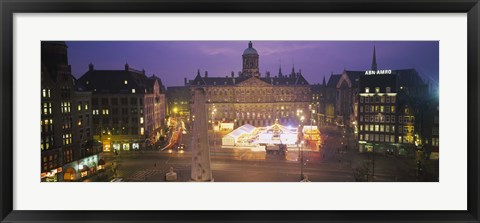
x=101 y=162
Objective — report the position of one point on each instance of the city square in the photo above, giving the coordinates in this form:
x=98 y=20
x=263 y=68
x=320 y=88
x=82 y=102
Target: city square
x=127 y=125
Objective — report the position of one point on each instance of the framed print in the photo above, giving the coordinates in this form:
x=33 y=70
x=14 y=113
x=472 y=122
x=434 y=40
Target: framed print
x=239 y=111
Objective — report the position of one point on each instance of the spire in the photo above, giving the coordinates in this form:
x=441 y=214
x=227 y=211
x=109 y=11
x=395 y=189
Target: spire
x=374 y=60
x=250 y=44
x=280 y=68
x=323 y=81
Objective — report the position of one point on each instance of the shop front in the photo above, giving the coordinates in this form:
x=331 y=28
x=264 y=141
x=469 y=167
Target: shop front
x=51 y=176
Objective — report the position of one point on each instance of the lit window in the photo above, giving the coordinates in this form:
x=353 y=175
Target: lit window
x=367 y=90
x=377 y=90
x=44 y=93
x=126 y=82
x=86 y=107
x=79 y=107
x=133 y=90
x=141 y=120
x=141 y=131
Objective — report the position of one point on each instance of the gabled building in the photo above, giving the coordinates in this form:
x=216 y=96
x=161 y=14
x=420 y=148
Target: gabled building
x=128 y=107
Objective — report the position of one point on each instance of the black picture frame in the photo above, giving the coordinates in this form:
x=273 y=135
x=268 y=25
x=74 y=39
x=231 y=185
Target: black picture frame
x=9 y=7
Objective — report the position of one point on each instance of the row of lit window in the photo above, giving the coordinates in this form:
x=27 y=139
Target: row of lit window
x=385 y=138
x=46 y=93
x=47 y=108
x=106 y=111
x=377 y=90
x=377 y=99
x=46 y=122
x=65 y=106
x=378 y=118
x=79 y=107
x=181 y=102
x=67 y=139
x=378 y=128
x=252 y=115
x=122 y=131
x=377 y=138
x=116 y=120
x=435 y=142
x=378 y=108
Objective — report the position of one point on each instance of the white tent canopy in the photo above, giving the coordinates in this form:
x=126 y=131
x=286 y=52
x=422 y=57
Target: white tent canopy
x=231 y=138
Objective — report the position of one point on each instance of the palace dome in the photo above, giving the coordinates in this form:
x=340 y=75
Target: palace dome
x=250 y=50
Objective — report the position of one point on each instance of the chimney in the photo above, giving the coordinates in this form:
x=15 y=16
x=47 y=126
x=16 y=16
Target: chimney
x=90 y=67
x=185 y=80
x=206 y=74
x=233 y=74
x=126 y=67
x=268 y=74
x=143 y=71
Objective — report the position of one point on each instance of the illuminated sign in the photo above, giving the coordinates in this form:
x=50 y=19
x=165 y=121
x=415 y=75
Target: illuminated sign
x=374 y=72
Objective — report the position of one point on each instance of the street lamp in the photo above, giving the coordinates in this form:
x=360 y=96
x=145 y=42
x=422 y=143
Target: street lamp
x=301 y=160
x=175 y=110
x=213 y=128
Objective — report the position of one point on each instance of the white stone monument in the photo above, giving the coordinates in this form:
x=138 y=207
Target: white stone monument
x=201 y=171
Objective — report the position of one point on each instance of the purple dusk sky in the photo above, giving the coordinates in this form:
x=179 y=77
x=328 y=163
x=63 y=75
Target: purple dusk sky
x=174 y=60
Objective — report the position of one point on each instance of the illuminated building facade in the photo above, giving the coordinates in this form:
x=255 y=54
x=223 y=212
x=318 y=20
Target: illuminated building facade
x=65 y=119
x=252 y=99
x=128 y=108
x=388 y=110
x=57 y=143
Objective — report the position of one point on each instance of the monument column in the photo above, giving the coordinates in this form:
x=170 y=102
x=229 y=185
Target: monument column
x=201 y=171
